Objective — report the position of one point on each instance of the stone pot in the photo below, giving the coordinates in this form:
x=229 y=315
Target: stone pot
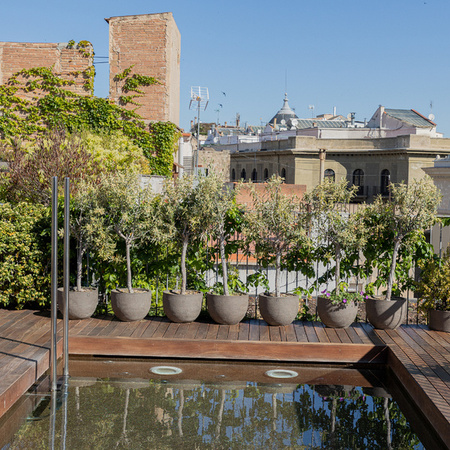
x=82 y=304
x=439 y=320
x=182 y=308
x=386 y=314
x=227 y=309
x=278 y=310
x=341 y=315
x=130 y=307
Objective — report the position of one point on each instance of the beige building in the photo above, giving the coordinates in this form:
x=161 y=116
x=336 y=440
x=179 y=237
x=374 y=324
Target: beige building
x=394 y=146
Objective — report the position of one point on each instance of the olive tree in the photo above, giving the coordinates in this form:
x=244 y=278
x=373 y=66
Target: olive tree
x=129 y=212
x=412 y=209
x=275 y=222
x=335 y=231
x=187 y=214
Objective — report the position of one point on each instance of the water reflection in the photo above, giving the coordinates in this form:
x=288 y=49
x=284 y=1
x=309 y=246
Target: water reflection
x=161 y=414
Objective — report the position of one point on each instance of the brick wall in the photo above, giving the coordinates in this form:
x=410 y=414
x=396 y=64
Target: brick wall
x=15 y=56
x=150 y=42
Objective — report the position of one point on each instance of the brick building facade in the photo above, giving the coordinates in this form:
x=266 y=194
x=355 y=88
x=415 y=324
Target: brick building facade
x=150 y=42
x=66 y=60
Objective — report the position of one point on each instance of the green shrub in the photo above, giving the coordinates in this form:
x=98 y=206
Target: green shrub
x=24 y=255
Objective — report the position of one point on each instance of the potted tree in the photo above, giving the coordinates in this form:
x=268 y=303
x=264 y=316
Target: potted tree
x=339 y=235
x=129 y=214
x=434 y=291
x=412 y=209
x=183 y=210
x=86 y=227
x=225 y=304
x=273 y=223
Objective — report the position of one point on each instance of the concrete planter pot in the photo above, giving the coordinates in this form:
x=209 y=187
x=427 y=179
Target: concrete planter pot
x=182 y=308
x=386 y=314
x=227 y=309
x=131 y=307
x=82 y=304
x=439 y=320
x=341 y=315
x=278 y=310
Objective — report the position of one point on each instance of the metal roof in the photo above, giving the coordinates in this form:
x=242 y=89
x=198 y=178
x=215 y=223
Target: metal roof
x=315 y=123
x=285 y=113
x=410 y=116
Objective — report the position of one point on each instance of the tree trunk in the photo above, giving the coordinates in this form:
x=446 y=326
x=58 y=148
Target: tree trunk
x=80 y=253
x=127 y=252
x=224 y=267
x=337 y=270
x=392 y=272
x=183 y=266
x=277 y=274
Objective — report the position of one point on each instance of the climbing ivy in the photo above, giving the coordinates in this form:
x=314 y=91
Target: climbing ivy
x=32 y=100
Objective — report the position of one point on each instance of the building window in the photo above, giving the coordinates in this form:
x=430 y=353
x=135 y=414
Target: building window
x=329 y=175
x=266 y=174
x=384 y=182
x=254 y=175
x=243 y=175
x=283 y=173
x=233 y=175
x=358 y=180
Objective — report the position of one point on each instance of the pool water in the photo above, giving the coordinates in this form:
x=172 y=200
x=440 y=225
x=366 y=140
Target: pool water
x=161 y=412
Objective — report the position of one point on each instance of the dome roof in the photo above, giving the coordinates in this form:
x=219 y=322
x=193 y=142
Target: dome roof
x=285 y=113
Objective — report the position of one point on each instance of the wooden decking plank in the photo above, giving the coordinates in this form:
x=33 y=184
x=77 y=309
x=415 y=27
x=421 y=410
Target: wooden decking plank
x=123 y=329
x=343 y=336
x=244 y=331
x=85 y=328
x=233 y=332
x=182 y=330
x=222 y=335
x=192 y=330
x=12 y=320
x=353 y=335
x=430 y=357
x=161 y=329
x=254 y=330
x=213 y=330
x=202 y=330
x=321 y=332
x=290 y=333
x=362 y=333
x=142 y=326
x=152 y=327
x=101 y=323
x=424 y=339
x=332 y=335
x=440 y=390
x=264 y=334
x=300 y=332
x=310 y=332
x=171 y=330
x=433 y=335
x=274 y=334
x=371 y=334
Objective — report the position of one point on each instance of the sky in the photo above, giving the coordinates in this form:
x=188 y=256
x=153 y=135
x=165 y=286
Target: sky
x=350 y=54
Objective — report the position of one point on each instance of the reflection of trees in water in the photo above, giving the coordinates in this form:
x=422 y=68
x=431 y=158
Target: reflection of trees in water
x=163 y=415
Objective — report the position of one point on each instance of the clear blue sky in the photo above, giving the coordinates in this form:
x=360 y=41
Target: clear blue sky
x=351 y=54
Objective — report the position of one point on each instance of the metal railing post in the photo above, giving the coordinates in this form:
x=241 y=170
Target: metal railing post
x=66 y=278
x=54 y=283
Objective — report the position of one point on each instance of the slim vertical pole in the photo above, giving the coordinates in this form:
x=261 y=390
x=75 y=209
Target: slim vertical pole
x=66 y=278
x=54 y=282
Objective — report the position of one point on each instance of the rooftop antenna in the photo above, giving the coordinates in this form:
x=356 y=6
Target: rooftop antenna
x=311 y=107
x=431 y=115
x=199 y=99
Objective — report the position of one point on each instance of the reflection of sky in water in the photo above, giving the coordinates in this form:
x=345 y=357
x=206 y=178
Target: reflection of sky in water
x=155 y=414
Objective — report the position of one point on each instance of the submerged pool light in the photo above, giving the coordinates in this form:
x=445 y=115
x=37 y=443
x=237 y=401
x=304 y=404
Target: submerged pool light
x=165 y=370
x=281 y=373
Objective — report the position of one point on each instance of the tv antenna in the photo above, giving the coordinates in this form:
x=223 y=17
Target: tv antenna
x=311 y=107
x=199 y=100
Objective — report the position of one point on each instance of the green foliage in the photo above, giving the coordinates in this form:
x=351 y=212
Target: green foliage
x=341 y=295
x=434 y=285
x=399 y=224
x=274 y=223
x=339 y=235
x=24 y=257
x=54 y=105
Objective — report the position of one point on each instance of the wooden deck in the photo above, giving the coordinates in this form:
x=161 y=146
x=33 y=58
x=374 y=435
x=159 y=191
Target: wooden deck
x=419 y=358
